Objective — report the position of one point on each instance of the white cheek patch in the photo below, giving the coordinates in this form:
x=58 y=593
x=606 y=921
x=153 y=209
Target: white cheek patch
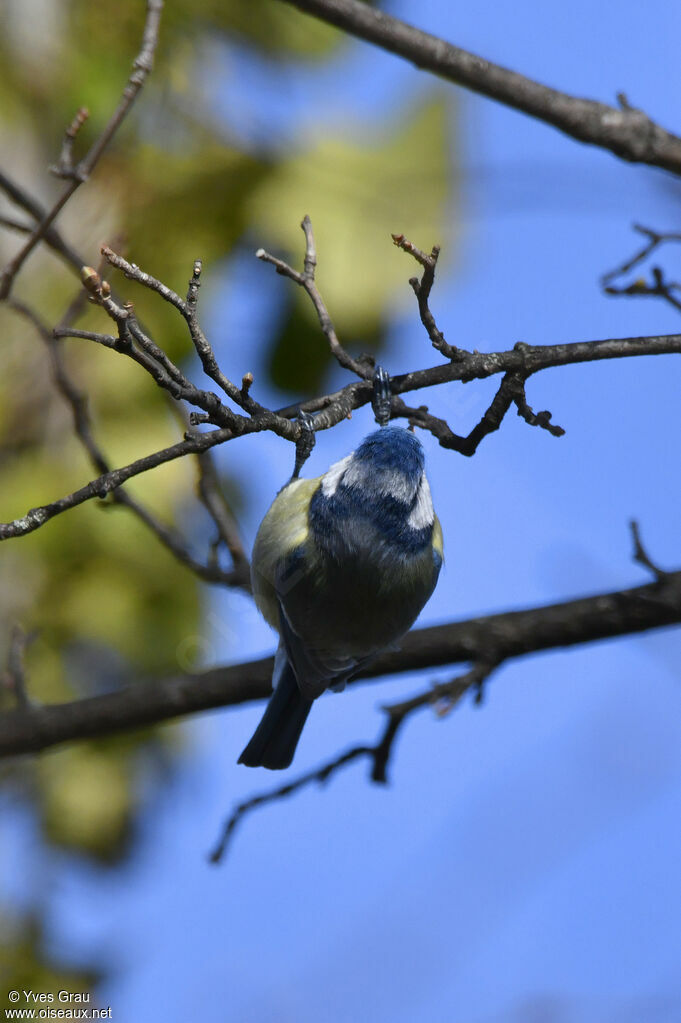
x=380 y=482
x=422 y=515
x=353 y=472
x=333 y=476
x=398 y=486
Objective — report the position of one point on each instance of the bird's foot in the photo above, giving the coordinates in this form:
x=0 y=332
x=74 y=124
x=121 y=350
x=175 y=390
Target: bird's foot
x=305 y=443
x=382 y=397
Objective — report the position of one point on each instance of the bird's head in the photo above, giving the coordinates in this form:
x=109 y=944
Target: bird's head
x=389 y=463
x=382 y=483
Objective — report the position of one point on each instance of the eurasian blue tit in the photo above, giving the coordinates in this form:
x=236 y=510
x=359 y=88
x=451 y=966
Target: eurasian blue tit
x=342 y=566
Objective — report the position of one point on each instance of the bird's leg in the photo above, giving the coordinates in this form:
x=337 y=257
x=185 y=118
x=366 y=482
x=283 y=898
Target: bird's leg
x=305 y=443
x=382 y=396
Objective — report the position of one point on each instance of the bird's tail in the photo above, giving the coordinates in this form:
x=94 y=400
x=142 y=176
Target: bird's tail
x=276 y=737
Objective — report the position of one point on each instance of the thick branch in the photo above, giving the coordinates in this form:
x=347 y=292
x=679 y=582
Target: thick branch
x=501 y=636
x=626 y=132
x=524 y=359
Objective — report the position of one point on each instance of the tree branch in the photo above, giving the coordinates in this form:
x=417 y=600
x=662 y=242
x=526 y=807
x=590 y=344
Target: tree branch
x=109 y=481
x=51 y=237
x=628 y=133
x=654 y=240
x=501 y=637
x=660 y=287
x=520 y=362
x=517 y=366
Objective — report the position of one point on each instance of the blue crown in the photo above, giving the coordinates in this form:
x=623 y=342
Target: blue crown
x=393 y=448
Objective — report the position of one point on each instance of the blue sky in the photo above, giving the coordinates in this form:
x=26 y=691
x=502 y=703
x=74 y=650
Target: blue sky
x=523 y=863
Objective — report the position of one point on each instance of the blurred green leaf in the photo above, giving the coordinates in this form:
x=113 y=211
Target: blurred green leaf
x=109 y=605
x=86 y=799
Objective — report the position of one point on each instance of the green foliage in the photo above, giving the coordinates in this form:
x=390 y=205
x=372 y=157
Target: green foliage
x=108 y=605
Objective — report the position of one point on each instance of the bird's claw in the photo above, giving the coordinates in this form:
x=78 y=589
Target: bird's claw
x=382 y=396
x=305 y=443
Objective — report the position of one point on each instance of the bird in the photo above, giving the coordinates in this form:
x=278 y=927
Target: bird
x=342 y=567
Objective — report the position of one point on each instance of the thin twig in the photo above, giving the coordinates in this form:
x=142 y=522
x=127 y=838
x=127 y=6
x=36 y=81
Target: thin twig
x=659 y=288
x=133 y=272
x=137 y=345
x=511 y=390
x=542 y=419
x=379 y=753
x=141 y=68
x=52 y=237
x=319 y=776
x=443 y=697
x=15 y=225
x=422 y=291
x=109 y=481
x=188 y=309
x=306 y=280
x=655 y=239
x=240 y=395
x=642 y=556
x=210 y=571
x=77 y=401
x=64 y=167
x=213 y=499
x=15 y=675
x=107 y=340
